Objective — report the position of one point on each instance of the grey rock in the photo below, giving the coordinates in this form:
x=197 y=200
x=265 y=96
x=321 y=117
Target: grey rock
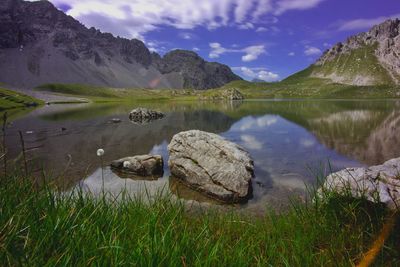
x=144 y=115
x=379 y=183
x=143 y=165
x=212 y=165
x=115 y=120
x=230 y=94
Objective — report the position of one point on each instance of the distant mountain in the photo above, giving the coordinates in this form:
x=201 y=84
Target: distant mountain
x=256 y=80
x=40 y=44
x=370 y=58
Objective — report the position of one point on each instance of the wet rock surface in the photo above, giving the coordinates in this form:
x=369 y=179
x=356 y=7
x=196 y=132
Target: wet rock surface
x=142 y=165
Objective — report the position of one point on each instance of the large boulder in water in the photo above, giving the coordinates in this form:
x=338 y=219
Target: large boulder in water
x=142 y=165
x=144 y=115
x=377 y=183
x=212 y=165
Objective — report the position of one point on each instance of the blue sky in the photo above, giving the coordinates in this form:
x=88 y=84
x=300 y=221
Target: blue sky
x=264 y=39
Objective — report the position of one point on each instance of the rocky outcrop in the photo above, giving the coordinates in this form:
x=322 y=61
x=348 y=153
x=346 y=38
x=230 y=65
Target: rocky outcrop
x=211 y=165
x=379 y=46
x=143 y=165
x=197 y=73
x=144 y=115
x=230 y=94
x=47 y=46
x=377 y=183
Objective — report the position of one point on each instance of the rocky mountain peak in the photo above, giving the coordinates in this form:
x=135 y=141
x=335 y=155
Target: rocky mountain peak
x=33 y=29
x=379 y=46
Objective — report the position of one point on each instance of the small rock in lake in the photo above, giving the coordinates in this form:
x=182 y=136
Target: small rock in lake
x=144 y=115
x=143 y=165
x=115 y=120
x=29 y=132
x=260 y=184
x=63 y=129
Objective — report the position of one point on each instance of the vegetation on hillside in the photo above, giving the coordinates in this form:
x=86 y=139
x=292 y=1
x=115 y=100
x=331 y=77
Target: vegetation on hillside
x=360 y=63
x=11 y=99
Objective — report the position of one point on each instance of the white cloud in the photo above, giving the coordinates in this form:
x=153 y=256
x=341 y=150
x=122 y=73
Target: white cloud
x=291 y=54
x=196 y=49
x=251 y=142
x=135 y=18
x=186 y=35
x=312 y=51
x=261 y=29
x=217 y=50
x=246 y=26
x=250 y=53
x=305 y=142
x=253 y=52
x=257 y=73
x=260 y=123
x=361 y=24
x=286 y=5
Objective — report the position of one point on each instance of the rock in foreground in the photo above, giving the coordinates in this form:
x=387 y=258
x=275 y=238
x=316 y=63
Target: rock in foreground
x=377 y=183
x=212 y=165
x=144 y=115
x=143 y=165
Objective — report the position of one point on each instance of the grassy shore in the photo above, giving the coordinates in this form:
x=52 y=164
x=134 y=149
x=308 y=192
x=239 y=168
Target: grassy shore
x=299 y=85
x=40 y=228
x=11 y=99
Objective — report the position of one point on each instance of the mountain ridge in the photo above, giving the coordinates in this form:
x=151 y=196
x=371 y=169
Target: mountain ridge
x=40 y=44
x=368 y=58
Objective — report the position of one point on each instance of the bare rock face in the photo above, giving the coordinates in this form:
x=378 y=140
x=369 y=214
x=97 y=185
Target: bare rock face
x=212 y=165
x=144 y=115
x=47 y=46
x=143 y=165
x=379 y=183
x=385 y=40
x=196 y=71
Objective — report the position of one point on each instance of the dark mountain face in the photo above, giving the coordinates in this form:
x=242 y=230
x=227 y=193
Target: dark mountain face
x=40 y=44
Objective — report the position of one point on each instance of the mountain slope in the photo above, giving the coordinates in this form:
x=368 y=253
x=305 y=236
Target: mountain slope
x=40 y=44
x=370 y=58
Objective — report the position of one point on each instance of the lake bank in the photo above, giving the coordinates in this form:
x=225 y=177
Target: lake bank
x=40 y=228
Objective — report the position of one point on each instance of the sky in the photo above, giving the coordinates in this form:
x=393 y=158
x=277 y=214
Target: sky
x=259 y=39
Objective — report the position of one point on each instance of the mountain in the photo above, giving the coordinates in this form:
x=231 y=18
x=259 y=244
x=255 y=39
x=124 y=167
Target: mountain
x=40 y=44
x=369 y=58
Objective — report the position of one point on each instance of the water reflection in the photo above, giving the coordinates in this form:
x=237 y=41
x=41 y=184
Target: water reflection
x=286 y=139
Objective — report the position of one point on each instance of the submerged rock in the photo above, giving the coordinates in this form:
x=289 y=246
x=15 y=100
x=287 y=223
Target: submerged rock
x=212 y=165
x=379 y=183
x=143 y=165
x=144 y=115
x=115 y=120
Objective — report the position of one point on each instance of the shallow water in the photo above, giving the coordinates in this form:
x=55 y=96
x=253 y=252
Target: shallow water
x=291 y=141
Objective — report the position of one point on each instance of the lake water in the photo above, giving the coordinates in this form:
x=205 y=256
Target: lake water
x=290 y=141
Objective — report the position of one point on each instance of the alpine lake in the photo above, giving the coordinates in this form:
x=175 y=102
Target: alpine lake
x=293 y=143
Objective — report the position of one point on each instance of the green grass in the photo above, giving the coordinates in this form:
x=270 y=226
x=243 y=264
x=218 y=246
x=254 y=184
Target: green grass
x=301 y=85
x=104 y=94
x=40 y=228
x=11 y=99
x=358 y=62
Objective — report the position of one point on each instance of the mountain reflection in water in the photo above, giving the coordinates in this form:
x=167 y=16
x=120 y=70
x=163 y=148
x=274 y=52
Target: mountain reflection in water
x=289 y=141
